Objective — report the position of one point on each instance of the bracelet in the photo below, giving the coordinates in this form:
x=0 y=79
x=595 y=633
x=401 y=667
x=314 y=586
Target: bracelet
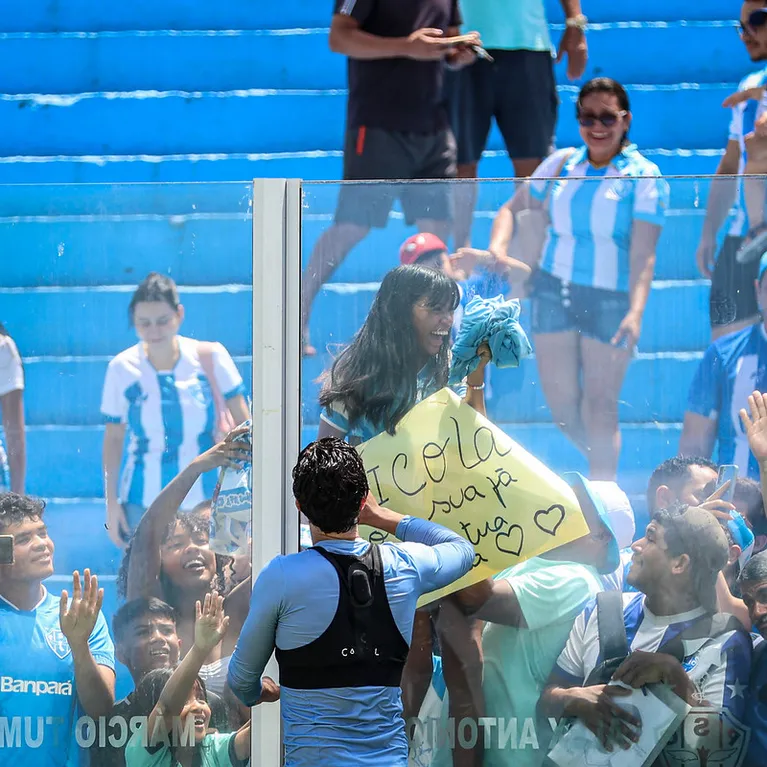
x=477 y=388
x=577 y=22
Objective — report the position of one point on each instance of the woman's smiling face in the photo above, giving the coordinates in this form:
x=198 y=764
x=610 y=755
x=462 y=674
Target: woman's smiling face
x=603 y=141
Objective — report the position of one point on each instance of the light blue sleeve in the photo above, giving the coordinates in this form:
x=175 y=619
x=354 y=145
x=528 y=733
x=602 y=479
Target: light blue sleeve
x=257 y=639
x=444 y=556
x=706 y=388
x=652 y=197
x=100 y=644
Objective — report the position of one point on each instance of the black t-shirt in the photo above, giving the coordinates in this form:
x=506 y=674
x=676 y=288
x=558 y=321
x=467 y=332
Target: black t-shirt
x=398 y=94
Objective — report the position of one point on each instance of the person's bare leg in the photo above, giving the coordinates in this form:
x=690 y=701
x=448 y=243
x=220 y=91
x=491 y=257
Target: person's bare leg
x=465 y=200
x=440 y=228
x=461 y=642
x=416 y=676
x=524 y=166
x=558 y=359
x=604 y=368
x=328 y=254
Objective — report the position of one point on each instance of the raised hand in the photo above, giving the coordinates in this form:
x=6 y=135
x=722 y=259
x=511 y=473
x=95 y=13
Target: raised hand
x=228 y=453
x=755 y=425
x=78 y=619
x=211 y=624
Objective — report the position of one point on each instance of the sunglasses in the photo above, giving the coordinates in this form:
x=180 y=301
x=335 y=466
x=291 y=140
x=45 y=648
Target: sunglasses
x=756 y=19
x=608 y=119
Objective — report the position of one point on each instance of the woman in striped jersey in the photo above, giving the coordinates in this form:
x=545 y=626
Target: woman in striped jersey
x=170 y=395
x=599 y=209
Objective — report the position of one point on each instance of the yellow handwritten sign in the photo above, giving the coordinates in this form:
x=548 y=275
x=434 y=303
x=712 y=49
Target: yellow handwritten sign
x=449 y=464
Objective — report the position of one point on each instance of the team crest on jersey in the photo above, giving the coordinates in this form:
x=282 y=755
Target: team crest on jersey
x=58 y=643
x=689 y=663
x=707 y=738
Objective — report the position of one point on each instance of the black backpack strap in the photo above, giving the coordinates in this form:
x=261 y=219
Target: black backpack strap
x=613 y=642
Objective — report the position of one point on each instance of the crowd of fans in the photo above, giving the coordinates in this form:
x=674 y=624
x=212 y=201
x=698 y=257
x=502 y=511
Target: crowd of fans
x=503 y=671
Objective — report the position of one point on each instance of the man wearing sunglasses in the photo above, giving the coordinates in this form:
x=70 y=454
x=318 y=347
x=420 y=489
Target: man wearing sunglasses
x=732 y=304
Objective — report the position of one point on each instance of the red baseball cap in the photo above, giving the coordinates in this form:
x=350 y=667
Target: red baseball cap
x=419 y=245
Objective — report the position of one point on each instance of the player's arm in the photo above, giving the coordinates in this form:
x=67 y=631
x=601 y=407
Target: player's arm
x=493 y=601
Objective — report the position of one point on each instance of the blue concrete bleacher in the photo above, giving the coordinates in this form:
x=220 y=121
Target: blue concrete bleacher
x=107 y=94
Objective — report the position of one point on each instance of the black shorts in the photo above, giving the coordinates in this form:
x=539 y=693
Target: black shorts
x=558 y=307
x=372 y=153
x=518 y=89
x=733 y=297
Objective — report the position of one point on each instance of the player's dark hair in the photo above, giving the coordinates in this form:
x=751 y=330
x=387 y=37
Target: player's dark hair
x=192 y=523
x=138 y=608
x=330 y=484
x=154 y=287
x=674 y=472
x=605 y=85
x=376 y=375
x=16 y=509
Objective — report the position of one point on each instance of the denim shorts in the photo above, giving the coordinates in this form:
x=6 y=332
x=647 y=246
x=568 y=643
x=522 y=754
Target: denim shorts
x=560 y=306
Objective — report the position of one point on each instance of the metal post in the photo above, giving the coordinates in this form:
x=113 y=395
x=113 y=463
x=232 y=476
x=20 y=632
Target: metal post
x=276 y=235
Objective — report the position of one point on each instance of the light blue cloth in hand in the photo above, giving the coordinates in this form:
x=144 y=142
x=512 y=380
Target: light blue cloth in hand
x=495 y=321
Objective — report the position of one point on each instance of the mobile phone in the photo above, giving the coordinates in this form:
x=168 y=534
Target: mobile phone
x=6 y=549
x=727 y=473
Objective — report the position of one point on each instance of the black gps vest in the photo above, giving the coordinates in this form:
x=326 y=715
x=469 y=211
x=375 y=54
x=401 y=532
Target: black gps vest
x=362 y=646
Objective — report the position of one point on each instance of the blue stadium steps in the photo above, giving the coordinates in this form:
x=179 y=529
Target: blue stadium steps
x=224 y=60
x=242 y=121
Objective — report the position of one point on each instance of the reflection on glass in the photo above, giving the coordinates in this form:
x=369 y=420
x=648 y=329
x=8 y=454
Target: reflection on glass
x=602 y=255
x=73 y=672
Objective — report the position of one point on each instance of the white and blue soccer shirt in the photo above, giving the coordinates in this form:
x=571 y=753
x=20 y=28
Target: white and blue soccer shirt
x=742 y=123
x=170 y=417
x=719 y=667
x=733 y=367
x=589 y=238
x=38 y=697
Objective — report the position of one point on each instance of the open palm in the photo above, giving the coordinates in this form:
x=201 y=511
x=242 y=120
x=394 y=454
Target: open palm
x=211 y=623
x=755 y=425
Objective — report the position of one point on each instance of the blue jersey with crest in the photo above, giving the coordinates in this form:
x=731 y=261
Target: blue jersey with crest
x=38 y=697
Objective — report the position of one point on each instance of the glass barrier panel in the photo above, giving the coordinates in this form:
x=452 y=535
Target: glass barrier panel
x=523 y=363
x=125 y=354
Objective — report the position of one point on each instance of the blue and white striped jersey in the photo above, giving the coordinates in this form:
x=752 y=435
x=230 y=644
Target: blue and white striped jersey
x=733 y=367
x=742 y=123
x=589 y=237
x=719 y=667
x=170 y=417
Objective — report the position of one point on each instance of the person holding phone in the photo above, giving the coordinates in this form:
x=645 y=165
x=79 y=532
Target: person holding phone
x=595 y=228
x=396 y=124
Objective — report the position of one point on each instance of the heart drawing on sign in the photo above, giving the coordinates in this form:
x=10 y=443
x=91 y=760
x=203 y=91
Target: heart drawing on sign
x=550 y=519
x=511 y=541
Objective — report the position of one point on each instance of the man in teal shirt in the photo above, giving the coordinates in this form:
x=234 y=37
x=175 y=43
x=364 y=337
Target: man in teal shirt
x=517 y=88
x=530 y=609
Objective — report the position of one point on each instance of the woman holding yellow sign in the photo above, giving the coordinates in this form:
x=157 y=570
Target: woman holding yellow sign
x=399 y=357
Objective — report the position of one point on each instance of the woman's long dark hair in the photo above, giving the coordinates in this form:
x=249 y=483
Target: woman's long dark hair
x=376 y=375
x=146 y=697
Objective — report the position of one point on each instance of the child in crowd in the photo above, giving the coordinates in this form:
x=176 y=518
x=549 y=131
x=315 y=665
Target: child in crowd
x=169 y=699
